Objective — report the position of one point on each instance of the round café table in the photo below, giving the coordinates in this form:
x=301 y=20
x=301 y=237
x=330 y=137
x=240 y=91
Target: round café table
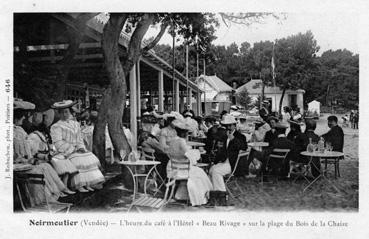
x=323 y=156
x=258 y=145
x=135 y=164
x=195 y=145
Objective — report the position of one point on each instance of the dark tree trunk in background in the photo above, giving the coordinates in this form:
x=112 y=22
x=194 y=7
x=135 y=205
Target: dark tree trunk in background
x=262 y=90
x=280 y=102
x=98 y=147
x=262 y=93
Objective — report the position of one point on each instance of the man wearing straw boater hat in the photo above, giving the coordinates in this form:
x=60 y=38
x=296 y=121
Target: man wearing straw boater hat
x=226 y=156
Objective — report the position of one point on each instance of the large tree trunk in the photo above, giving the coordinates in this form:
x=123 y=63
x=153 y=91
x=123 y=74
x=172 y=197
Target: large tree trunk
x=280 y=102
x=115 y=97
x=118 y=87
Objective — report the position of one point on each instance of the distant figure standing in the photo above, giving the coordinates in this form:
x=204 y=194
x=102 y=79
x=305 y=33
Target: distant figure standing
x=352 y=113
x=297 y=115
x=286 y=115
x=356 y=119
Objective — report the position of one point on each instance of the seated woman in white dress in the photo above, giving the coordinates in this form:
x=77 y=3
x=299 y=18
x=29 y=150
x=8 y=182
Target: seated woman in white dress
x=42 y=147
x=198 y=184
x=66 y=136
x=54 y=187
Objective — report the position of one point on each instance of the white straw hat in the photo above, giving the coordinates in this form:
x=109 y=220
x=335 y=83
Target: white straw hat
x=181 y=124
x=228 y=119
x=24 y=105
x=63 y=104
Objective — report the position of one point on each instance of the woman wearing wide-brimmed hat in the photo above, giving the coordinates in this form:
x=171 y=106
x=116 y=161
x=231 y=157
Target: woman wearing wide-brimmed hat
x=23 y=155
x=198 y=184
x=66 y=136
x=168 y=133
x=295 y=129
x=42 y=148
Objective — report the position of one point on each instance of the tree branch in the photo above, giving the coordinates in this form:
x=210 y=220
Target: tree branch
x=249 y=18
x=149 y=46
x=111 y=34
x=134 y=46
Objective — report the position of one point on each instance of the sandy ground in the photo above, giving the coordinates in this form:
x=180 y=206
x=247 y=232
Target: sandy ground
x=334 y=195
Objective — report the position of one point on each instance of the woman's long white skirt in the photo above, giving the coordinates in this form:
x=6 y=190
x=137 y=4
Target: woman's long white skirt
x=198 y=183
x=88 y=168
x=62 y=165
x=198 y=186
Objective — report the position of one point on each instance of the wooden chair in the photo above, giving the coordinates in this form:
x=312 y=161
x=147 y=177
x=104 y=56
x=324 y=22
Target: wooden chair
x=278 y=156
x=228 y=177
x=24 y=179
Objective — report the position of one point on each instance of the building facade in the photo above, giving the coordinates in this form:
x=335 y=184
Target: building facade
x=216 y=95
x=292 y=98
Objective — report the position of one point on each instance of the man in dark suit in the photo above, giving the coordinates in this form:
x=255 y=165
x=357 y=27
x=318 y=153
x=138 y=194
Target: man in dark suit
x=264 y=111
x=226 y=157
x=271 y=135
x=281 y=142
x=302 y=141
x=211 y=134
x=335 y=135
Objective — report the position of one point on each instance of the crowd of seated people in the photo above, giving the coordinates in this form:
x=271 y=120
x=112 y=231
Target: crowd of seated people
x=225 y=138
x=55 y=150
x=59 y=150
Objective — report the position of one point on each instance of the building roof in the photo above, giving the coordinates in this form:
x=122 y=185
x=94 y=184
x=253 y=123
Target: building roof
x=96 y=25
x=218 y=84
x=254 y=87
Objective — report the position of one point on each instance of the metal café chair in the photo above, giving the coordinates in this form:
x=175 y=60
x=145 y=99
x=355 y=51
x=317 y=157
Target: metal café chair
x=148 y=154
x=23 y=180
x=180 y=174
x=228 y=177
x=153 y=203
x=277 y=157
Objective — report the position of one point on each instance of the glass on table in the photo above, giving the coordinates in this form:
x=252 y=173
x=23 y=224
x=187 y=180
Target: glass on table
x=315 y=147
x=329 y=146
